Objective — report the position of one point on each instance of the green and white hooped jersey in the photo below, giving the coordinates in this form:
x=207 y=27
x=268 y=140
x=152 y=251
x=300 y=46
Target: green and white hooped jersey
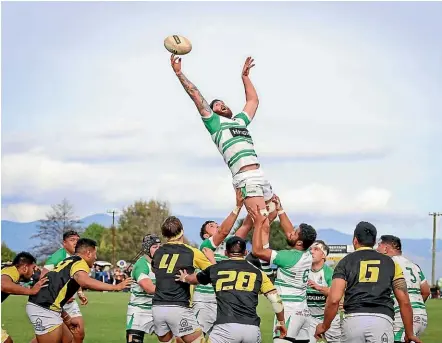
x=138 y=297
x=206 y=293
x=315 y=299
x=292 y=275
x=414 y=278
x=58 y=256
x=232 y=139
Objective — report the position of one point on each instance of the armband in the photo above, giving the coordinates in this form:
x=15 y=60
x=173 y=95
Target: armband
x=281 y=212
x=236 y=210
x=276 y=301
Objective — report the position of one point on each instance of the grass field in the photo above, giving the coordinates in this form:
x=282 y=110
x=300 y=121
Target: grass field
x=105 y=317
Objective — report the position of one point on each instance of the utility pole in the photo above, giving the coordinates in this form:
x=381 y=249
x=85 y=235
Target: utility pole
x=113 y=235
x=433 y=262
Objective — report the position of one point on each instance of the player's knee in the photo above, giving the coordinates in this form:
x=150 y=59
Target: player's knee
x=134 y=336
x=196 y=337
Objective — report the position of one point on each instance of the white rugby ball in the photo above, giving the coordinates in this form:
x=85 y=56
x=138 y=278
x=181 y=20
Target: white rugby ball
x=178 y=45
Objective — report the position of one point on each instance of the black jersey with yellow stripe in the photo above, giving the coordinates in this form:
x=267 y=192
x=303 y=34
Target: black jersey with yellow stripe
x=61 y=285
x=369 y=277
x=13 y=273
x=237 y=284
x=166 y=263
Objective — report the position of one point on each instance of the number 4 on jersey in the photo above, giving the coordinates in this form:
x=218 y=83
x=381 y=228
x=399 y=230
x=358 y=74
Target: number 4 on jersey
x=169 y=266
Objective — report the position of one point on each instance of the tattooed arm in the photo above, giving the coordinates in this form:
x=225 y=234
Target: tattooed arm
x=401 y=293
x=201 y=103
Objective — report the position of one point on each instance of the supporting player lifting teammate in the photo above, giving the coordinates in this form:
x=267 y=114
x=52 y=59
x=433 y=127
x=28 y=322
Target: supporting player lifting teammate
x=237 y=285
x=22 y=269
x=417 y=286
x=293 y=269
x=234 y=142
x=368 y=279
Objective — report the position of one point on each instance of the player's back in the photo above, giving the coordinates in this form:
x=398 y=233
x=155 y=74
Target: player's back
x=414 y=277
x=237 y=285
x=167 y=261
x=61 y=285
x=369 y=277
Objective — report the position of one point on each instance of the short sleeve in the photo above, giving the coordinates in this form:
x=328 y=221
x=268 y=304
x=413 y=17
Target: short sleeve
x=141 y=271
x=267 y=285
x=54 y=259
x=398 y=273
x=80 y=266
x=212 y=123
x=12 y=272
x=421 y=275
x=203 y=277
x=200 y=260
x=285 y=258
x=243 y=118
x=328 y=274
x=340 y=271
x=208 y=243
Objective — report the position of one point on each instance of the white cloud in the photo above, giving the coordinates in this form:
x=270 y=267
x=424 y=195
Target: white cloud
x=24 y=212
x=123 y=128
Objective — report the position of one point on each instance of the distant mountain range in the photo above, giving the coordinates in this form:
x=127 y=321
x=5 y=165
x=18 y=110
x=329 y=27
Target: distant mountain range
x=17 y=236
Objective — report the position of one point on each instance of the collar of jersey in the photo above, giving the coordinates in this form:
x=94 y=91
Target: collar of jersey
x=364 y=248
x=236 y=258
x=174 y=242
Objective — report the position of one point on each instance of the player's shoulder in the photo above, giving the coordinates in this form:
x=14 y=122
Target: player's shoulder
x=58 y=256
x=207 y=243
x=12 y=272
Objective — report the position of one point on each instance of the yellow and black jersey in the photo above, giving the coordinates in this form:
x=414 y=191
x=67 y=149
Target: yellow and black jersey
x=61 y=285
x=369 y=277
x=167 y=261
x=13 y=273
x=237 y=284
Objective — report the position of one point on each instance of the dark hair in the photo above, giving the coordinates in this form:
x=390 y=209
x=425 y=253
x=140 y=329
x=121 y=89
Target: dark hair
x=213 y=103
x=327 y=249
x=23 y=258
x=203 y=228
x=70 y=233
x=236 y=245
x=365 y=233
x=307 y=234
x=394 y=241
x=84 y=243
x=171 y=227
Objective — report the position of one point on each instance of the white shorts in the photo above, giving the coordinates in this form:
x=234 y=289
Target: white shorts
x=179 y=320
x=42 y=319
x=332 y=335
x=367 y=328
x=253 y=184
x=139 y=319
x=297 y=322
x=205 y=314
x=73 y=309
x=419 y=326
x=235 y=333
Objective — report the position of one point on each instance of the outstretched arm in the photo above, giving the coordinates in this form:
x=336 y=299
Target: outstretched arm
x=284 y=220
x=194 y=93
x=252 y=100
x=258 y=250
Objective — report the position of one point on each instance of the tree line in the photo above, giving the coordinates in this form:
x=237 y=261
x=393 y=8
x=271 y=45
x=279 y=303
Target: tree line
x=134 y=223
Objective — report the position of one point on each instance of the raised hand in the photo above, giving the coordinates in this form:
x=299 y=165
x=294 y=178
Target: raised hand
x=175 y=62
x=39 y=285
x=248 y=64
x=257 y=217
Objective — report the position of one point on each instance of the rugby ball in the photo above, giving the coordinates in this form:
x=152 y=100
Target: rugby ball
x=177 y=45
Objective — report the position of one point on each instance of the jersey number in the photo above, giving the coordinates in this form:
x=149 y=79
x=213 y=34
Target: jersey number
x=62 y=265
x=169 y=266
x=413 y=280
x=368 y=272
x=242 y=281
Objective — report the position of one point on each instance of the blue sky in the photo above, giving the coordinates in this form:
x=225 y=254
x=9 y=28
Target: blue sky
x=348 y=127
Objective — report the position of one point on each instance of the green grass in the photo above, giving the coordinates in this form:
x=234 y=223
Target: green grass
x=105 y=318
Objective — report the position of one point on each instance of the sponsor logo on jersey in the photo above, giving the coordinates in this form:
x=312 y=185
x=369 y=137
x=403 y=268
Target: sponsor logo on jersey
x=240 y=132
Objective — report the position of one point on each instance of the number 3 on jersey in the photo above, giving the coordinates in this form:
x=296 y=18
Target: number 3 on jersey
x=368 y=272
x=244 y=281
x=169 y=266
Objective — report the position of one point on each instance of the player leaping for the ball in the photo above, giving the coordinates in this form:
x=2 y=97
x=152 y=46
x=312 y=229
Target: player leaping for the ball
x=234 y=141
